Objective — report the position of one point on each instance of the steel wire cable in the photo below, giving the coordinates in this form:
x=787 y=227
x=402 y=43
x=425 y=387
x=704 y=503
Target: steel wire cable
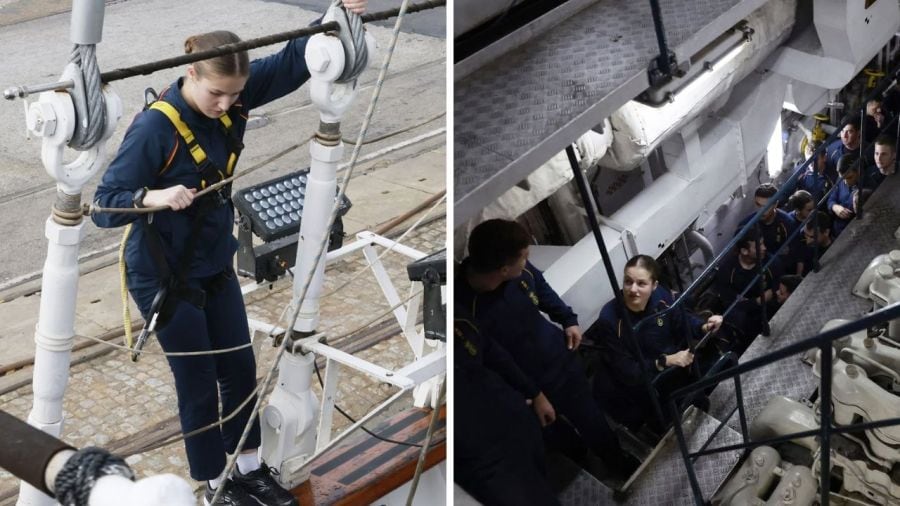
x=353 y=38
x=91 y=116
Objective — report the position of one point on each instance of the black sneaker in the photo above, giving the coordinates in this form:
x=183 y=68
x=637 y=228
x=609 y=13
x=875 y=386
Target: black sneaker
x=233 y=495
x=262 y=486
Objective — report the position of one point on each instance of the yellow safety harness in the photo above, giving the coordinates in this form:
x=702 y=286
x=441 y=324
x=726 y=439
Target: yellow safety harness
x=209 y=174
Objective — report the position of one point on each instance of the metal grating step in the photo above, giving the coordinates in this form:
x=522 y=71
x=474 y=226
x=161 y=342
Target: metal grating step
x=515 y=113
x=665 y=480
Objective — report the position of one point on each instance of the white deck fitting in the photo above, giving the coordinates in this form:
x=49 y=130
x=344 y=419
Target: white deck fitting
x=516 y=112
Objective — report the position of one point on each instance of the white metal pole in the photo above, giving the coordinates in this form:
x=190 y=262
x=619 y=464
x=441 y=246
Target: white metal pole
x=55 y=330
x=321 y=188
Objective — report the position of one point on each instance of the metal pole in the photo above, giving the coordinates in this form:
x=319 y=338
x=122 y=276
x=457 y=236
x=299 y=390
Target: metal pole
x=588 y=200
x=682 y=445
x=762 y=282
x=862 y=165
x=825 y=372
x=739 y=395
x=815 y=224
x=663 y=59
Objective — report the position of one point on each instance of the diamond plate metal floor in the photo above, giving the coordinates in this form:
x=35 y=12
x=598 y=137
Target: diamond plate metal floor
x=515 y=113
x=821 y=297
x=666 y=481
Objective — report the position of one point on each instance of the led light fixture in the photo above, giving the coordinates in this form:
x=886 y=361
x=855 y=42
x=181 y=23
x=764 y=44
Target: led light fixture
x=273 y=211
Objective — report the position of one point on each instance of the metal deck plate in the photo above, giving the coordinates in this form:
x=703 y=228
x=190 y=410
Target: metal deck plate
x=821 y=297
x=585 y=490
x=666 y=480
x=515 y=113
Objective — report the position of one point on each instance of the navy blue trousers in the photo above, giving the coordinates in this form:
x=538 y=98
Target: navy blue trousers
x=570 y=394
x=200 y=380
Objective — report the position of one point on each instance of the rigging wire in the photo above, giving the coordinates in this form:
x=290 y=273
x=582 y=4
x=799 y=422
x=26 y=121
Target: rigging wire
x=151 y=67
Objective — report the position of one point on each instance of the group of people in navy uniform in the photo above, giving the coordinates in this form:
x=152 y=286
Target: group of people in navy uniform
x=522 y=387
x=828 y=196
x=519 y=381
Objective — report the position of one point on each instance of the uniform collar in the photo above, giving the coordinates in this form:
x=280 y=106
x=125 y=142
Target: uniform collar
x=188 y=115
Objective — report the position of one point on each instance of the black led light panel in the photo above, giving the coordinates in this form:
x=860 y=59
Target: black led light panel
x=275 y=207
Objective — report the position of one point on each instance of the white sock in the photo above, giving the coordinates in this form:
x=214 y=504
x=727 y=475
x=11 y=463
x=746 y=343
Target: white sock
x=248 y=462
x=215 y=482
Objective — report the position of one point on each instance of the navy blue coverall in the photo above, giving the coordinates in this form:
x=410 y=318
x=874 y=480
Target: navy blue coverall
x=732 y=278
x=153 y=155
x=776 y=233
x=511 y=314
x=619 y=385
x=499 y=454
x=843 y=196
x=815 y=183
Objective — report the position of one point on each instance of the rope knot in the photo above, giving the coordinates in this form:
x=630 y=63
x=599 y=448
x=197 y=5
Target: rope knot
x=77 y=478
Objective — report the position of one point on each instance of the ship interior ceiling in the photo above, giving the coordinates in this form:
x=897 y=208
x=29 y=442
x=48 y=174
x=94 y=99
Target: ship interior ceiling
x=515 y=114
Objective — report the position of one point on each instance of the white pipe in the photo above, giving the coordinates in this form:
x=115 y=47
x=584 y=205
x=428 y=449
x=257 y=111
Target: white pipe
x=703 y=244
x=53 y=338
x=391 y=245
x=321 y=187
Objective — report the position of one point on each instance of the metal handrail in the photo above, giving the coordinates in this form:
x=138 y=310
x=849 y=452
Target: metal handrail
x=822 y=341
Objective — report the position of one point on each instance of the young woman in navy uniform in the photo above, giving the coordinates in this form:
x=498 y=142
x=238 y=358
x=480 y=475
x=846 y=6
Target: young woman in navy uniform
x=619 y=384
x=157 y=166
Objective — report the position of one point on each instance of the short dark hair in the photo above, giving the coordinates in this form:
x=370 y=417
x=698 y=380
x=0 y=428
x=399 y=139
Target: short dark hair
x=799 y=199
x=765 y=190
x=791 y=281
x=886 y=140
x=852 y=119
x=646 y=262
x=496 y=243
x=823 y=219
x=849 y=162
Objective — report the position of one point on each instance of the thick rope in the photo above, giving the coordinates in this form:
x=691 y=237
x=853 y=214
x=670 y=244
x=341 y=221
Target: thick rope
x=78 y=476
x=90 y=117
x=123 y=289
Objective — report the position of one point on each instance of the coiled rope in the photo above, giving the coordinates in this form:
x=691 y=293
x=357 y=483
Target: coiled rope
x=90 y=117
x=76 y=480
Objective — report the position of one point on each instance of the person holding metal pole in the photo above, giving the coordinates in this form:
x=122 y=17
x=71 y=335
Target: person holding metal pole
x=664 y=343
x=188 y=140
